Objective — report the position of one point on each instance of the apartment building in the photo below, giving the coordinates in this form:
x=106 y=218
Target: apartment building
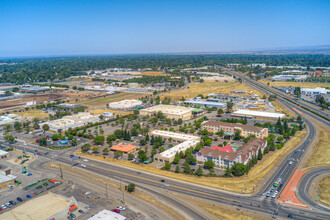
x=246 y=130
x=227 y=157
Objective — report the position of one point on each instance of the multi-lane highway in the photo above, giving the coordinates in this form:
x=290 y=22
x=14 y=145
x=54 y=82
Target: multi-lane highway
x=257 y=203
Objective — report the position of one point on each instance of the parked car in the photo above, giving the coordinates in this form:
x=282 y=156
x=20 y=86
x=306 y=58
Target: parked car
x=72 y=215
x=12 y=202
x=290 y=162
x=28 y=196
x=274 y=195
x=90 y=207
x=83 y=165
x=29 y=174
x=268 y=194
x=9 y=205
x=3 y=207
x=19 y=199
x=121 y=208
x=115 y=210
x=272 y=189
x=81 y=211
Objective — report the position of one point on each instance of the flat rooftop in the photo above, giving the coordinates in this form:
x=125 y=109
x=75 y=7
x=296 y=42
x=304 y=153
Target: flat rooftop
x=41 y=207
x=174 y=135
x=169 y=109
x=107 y=215
x=258 y=113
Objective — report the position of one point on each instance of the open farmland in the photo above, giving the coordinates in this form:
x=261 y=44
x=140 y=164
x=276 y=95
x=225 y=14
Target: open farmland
x=295 y=84
x=101 y=101
x=208 y=87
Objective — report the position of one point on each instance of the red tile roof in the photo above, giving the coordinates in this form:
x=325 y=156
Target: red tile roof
x=124 y=148
x=226 y=148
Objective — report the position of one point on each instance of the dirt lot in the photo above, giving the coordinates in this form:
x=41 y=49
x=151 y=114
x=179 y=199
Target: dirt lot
x=39 y=208
x=102 y=101
x=37 y=98
x=295 y=84
x=250 y=181
x=34 y=113
x=204 y=88
x=282 y=109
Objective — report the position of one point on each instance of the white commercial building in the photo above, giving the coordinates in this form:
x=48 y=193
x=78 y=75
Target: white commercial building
x=9 y=118
x=170 y=111
x=315 y=91
x=72 y=121
x=289 y=77
x=187 y=141
x=125 y=104
x=107 y=215
x=259 y=115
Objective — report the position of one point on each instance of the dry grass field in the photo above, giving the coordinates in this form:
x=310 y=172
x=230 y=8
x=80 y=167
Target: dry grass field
x=153 y=73
x=208 y=87
x=249 y=181
x=102 y=101
x=101 y=111
x=282 y=109
x=321 y=151
x=324 y=191
x=35 y=113
x=295 y=84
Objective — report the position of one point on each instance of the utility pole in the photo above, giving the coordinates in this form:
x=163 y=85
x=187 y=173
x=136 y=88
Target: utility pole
x=106 y=188
x=61 y=171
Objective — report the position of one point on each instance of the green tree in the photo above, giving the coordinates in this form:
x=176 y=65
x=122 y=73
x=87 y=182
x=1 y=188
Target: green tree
x=238 y=169
x=18 y=126
x=229 y=106
x=86 y=147
x=142 y=155
x=280 y=138
x=177 y=169
x=259 y=155
x=36 y=126
x=99 y=140
x=209 y=164
x=220 y=111
x=8 y=127
x=118 y=154
x=130 y=187
x=167 y=166
x=55 y=137
x=10 y=138
x=186 y=168
x=130 y=156
x=208 y=142
x=95 y=149
x=237 y=134
x=42 y=142
x=105 y=150
x=199 y=171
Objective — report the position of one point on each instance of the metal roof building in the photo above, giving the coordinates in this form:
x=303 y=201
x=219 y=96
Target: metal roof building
x=261 y=115
x=206 y=103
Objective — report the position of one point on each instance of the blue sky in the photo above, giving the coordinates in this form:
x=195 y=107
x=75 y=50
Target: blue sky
x=69 y=27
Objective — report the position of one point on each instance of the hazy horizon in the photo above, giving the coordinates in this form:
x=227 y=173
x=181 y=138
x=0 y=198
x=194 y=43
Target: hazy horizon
x=45 y=28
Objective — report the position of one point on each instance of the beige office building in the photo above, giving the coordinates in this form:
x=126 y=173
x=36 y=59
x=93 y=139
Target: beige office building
x=170 y=111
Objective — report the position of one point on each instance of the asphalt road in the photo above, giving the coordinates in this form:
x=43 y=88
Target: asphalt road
x=305 y=184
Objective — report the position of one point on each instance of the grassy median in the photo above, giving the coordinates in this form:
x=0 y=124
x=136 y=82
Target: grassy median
x=324 y=191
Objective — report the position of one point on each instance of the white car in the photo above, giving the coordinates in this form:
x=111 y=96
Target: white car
x=83 y=165
x=165 y=185
x=290 y=162
x=87 y=193
x=85 y=160
x=121 y=208
x=274 y=195
x=3 y=207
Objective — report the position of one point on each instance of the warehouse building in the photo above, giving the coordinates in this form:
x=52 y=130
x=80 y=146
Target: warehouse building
x=315 y=91
x=246 y=130
x=227 y=158
x=205 y=103
x=72 y=121
x=107 y=215
x=125 y=104
x=185 y=142
x=34 y=89
x=170 y=111
x=217 y=79
x=258 y=115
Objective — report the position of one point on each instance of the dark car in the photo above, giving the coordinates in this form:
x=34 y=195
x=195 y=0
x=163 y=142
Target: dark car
x=81 y=211
x=290 y=216
x=162 y=181
x=19 y=199
x=12 y=202
x=28 y=196
x=72 y=215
